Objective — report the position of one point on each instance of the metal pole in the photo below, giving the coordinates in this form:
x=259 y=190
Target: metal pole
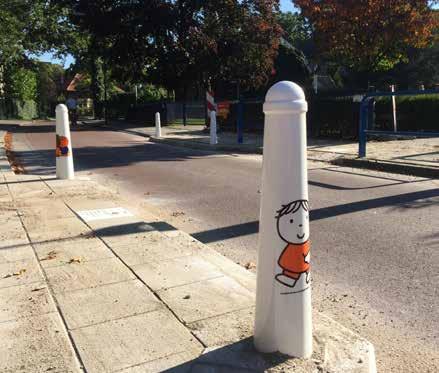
x=158 y=127
x=240 y=122
x=362 y=137
x=213 y=137
x=395 y=128
x=64 y=155
x=283 y=320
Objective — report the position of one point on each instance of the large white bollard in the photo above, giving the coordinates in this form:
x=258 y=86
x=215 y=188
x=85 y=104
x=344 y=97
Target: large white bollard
x=158 y=126
x=64 y=155
x=283 y=320
x=213 y=137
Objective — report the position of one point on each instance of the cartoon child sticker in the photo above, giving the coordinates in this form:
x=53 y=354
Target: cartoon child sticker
x=293 y=228
x=62 y=146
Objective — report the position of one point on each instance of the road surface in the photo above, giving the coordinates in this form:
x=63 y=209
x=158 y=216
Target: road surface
x=375 y=236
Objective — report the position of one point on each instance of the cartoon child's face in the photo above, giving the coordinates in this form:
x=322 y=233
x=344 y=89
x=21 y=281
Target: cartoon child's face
x=294 y=227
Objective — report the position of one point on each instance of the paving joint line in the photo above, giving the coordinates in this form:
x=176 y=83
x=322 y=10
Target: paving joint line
x=132 y=271
x=82 y=261
x=52 y=293
x=225 y=313
x=28 y=316
x=27 y=283
x=190 y=283
x=162 y=306
x=94 y=287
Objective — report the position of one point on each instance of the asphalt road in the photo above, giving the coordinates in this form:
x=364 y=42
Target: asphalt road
x=375 y=236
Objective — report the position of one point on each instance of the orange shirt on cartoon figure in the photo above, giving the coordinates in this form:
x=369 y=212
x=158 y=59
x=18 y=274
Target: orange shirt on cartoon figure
x=292 y=259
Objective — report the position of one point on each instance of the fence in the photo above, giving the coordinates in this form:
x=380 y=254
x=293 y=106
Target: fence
x=367 y=121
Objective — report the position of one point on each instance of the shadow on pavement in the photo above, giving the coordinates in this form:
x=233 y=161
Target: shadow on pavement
x=240 y=356
x=42 y=162
x=419 y=199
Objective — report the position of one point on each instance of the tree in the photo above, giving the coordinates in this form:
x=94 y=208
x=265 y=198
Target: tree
x=49 y=77
x=21 y=84
x=32 y=26
x=368 y=36
x=177 y=43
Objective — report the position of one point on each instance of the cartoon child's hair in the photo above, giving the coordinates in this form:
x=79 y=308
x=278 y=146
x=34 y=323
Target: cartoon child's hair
x=292 y=207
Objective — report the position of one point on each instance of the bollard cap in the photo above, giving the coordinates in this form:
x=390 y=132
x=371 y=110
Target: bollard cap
x=61 y=107
x=285 y=97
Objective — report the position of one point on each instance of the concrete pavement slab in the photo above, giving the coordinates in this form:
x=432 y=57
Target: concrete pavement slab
x=148 y=249
x=207 y=298
x=176 y=272
x=22 y=189
x=15 y=253
x=4 y=191
x=129 y=232
x=224 y=329
x=85 y=275
x=44 y=211
x=19 y=272
x=78 y=203
x=13 y=236
x=84 y=307
x=61 y=252
x=57 y=229
x=36 y=344
x=25 y=300
x=79 y=188
x=119 y=344
x=175 y=363
x=231 y=269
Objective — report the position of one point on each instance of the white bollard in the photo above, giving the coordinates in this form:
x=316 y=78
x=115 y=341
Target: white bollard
x=283 y=320
x=64 y=155
x=158 y=127
x=213 y=137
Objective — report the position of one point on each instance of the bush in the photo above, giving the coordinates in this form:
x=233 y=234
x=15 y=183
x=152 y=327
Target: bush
x=18 y=109
x=413 y=113
x=333 y=117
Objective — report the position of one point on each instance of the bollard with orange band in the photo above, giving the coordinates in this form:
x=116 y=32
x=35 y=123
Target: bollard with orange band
x=64 y=155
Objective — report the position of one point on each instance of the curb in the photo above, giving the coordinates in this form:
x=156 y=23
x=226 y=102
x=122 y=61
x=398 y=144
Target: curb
x=386 y=166
x=365 y=163
x=242 y=149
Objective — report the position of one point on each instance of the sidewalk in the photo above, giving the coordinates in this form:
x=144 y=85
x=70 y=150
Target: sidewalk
x=89 y=282
x=419 y=157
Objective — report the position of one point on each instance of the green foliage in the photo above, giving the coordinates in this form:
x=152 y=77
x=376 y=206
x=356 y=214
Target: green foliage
x=18 y=109
x=34 y=26
x=50 y=87
x=178 y=43
x=150 y=93
x=339 y=117
x=413 y=113
x=333 y=117
x=295 y=28
x=21 y=84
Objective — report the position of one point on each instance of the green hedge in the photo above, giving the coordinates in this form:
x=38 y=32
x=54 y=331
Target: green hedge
x=413 y=113
x=18 y=109
x=333 y=117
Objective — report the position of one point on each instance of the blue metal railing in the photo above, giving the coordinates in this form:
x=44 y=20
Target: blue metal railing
x=366 y=106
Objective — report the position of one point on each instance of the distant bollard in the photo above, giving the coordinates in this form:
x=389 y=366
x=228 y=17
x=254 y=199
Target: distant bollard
x=64 y=155
x=158 y=127
x=283 y=320
x=213 y=137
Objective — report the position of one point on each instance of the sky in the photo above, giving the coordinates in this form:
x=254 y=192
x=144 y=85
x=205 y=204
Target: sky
x=285 y=6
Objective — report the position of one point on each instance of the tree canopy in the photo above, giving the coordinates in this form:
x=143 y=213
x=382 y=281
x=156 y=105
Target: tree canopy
x=33 y=26
x=176 y=42
x=369 y=35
